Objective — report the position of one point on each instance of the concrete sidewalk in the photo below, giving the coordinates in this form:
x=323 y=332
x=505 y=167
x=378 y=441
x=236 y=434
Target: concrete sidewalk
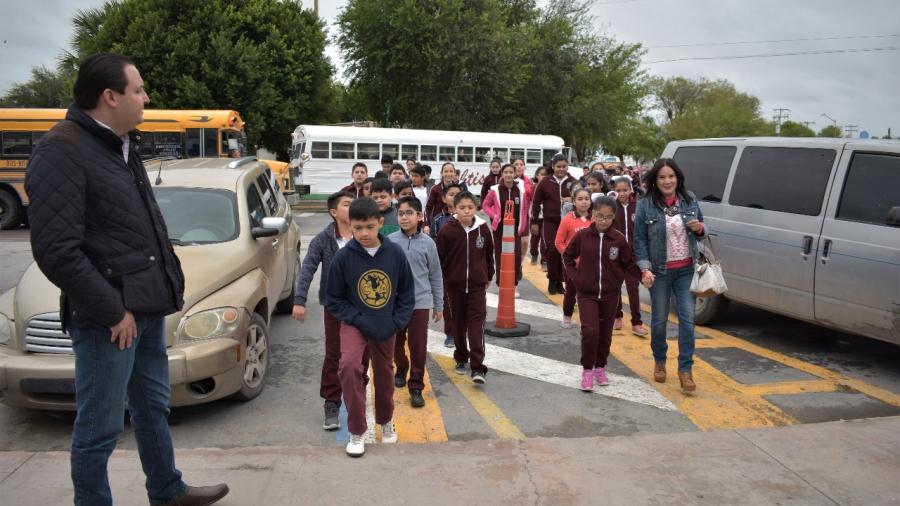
x=853 y=462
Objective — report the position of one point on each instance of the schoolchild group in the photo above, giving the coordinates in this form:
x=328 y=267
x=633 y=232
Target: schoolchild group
x=402 y=252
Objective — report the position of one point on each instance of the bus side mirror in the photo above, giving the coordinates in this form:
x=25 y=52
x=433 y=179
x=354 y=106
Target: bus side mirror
x=304 y=157
x=893 y=218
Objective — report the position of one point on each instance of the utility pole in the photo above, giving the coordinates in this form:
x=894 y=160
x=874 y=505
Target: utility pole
x=780 y=116
x=851 y=130
x=807 y=123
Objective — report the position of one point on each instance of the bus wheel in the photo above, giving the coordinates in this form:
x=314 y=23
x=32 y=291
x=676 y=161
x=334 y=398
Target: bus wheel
x=11 y=211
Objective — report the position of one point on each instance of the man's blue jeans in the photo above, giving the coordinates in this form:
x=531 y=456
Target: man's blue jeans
x=104 y=376
x=677 y=282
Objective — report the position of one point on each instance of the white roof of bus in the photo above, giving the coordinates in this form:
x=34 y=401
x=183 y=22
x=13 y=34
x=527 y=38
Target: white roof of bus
x=410 y=136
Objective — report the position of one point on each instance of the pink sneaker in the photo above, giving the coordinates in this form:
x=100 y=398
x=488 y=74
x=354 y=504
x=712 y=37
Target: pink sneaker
x=639 y=330
x=587 y=381
x=617 y=325
x=600 y=377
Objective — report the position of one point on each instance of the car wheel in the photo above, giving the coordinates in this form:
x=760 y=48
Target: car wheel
x=709 y=309
x=256 y=359
x=10 y=211
x=286 y=305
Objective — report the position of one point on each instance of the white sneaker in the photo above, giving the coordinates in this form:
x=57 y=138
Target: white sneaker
x=388 y=434
x=356 y=447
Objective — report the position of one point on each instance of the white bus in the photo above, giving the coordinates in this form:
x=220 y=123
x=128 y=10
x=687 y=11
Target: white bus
x=322 y=156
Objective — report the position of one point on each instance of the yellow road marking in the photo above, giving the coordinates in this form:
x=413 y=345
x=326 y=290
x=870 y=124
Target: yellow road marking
x=418 y=425
x=484 y=406
x=793 y=387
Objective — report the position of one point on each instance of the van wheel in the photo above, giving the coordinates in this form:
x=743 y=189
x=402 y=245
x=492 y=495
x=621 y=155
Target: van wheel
x=286 y=305
x=10 y=211
x=709 y=309
x=256 y=359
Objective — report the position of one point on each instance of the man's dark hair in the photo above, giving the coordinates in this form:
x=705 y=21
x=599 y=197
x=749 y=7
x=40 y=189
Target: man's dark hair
x=387 y=159
x=418 y=170
x=463 y=196
x=412 y=202
x=381 y=185
x=401 y=185
x=452 y=185
x=427 y=169
x=399 y=167
x=335 y=198
x=359 y=164
x=99 y=72
x=380 y=175
x=364 y=209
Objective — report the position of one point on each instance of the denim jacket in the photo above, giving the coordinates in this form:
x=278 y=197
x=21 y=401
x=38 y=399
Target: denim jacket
x=650 y=245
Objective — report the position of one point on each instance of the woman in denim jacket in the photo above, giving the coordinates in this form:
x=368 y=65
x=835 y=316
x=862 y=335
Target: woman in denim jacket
x=668 y=222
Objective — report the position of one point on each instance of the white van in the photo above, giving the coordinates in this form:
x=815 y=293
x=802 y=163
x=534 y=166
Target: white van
x=807 y=228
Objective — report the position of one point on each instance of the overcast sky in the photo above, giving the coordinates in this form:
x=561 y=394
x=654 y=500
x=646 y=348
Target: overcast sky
x=854 y=88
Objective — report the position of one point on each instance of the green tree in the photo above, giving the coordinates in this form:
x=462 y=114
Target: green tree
x=46 y=88
x=640 y=138
x=264 y=59
x=794 y=129
x=831 y=131
x=700 y=109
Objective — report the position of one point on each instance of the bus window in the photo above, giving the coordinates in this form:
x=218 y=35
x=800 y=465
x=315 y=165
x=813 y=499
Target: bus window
x=516 y=153
x=319 y=150
x=368 y=151
x=36 y=137
x=429 y=153
x=391 y=150
x=410 y=151
x=464 y=154
x=549 y=154
x=483 y=155
x=448 y=154
x=343 y=150
x=146 y=146
x=167 y=144
x=193 y=142
x=211 y=143
x=502 y=154
x=16 y=143
x=534 y=156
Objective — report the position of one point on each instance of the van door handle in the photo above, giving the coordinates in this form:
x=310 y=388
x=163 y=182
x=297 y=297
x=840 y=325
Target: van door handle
x=826 y=251
x=807 y=245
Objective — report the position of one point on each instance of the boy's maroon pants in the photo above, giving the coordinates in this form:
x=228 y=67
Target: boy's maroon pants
x=353 y=345
x=330 y=385
x=416 y=334
x=597 y=317
x=553 y=258
x=634 y=299
x=469 y=311
x=569 y=297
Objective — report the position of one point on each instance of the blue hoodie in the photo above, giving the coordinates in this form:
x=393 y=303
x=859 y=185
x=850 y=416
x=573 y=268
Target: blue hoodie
x=374 y=294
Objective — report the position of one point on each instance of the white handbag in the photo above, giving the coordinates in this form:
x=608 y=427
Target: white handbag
x=708 y=280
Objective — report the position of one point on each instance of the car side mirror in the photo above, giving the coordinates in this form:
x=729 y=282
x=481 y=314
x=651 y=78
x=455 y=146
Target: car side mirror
x=304 y=157
x=893 y=218
x=270 y=228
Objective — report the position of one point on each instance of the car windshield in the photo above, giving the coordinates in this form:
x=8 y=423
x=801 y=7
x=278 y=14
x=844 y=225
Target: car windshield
x=198 y=216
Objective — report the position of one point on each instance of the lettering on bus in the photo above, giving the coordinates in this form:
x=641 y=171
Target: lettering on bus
x=471 y=178
x=13 y=164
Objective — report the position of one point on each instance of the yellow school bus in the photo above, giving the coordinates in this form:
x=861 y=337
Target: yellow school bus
x=164 y=133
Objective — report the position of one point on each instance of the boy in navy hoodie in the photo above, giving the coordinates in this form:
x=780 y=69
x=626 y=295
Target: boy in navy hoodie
x=370 y=290
x=466 y=248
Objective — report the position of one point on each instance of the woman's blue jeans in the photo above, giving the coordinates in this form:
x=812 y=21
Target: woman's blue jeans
x=104 y=377
x=678 y=283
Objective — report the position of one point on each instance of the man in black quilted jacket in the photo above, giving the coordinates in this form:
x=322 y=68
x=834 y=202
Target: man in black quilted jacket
x=97 y=233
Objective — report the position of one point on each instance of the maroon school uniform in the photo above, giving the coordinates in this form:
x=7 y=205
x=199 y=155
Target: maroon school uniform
x=548 y=196
x=600 y=262
x=351 y=188
x=489 y=180
x=467 y=261
x=435 y=204
x=624 y=222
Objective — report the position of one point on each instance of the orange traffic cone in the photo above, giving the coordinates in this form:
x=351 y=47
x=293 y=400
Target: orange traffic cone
x=506 y=325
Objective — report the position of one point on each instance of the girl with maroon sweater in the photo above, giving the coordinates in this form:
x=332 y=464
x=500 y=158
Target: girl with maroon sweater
x=549 y=197
x=491 y=179
x=624 y=223
x=600 y=258
x=466 y=250
x=435 y=204
x=572 y=223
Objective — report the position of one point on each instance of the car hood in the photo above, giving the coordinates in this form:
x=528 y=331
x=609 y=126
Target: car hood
x=207 y=268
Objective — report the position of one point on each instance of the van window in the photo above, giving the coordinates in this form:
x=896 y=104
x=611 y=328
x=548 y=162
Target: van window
x=255 y=206
x=429 y=153
x=368 y=151
x=871 y=188
x=790 y=180
x=319 y=150
x=343 y=150
x=706 y=169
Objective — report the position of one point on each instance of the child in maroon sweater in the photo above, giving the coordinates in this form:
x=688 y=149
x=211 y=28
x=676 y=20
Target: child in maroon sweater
x=600 y=258
x=466 y=250
x=624 y=223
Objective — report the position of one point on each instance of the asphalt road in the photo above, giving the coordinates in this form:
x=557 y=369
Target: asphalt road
x=754 y=369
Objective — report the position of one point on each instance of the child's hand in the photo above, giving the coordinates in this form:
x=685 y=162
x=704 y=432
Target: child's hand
x=438 y=315
x=535 y=229
x=648 y=278
x=299 y=313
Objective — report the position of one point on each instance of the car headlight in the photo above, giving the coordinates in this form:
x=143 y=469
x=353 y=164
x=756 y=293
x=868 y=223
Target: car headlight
x=6 y=329
x=210 y=324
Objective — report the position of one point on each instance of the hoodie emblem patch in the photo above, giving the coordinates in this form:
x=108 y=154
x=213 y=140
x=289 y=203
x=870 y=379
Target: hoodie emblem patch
x=613 y=252
x=374 y=288
x=479 y=242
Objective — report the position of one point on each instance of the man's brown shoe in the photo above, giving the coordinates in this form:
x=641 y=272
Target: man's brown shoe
x=687 y=381
x=199 y=496
x=659 y=372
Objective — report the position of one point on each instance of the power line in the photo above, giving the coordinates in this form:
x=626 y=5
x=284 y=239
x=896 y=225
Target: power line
x=700 y=44
x=773 y=55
